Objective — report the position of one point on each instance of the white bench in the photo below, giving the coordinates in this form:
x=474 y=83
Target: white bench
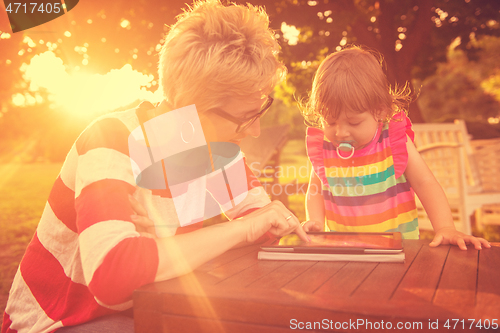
x=452 y=158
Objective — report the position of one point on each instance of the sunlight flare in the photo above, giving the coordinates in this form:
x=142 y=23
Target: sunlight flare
x=81 y=92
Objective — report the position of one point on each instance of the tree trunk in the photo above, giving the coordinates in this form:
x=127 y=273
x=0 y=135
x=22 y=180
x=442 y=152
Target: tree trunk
x=399 y=63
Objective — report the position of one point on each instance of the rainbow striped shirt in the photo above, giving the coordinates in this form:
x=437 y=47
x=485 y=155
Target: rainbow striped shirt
x=368 y=192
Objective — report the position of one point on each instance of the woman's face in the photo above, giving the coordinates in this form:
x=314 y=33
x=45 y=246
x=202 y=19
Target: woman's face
x=357 y=129
x=218 y=128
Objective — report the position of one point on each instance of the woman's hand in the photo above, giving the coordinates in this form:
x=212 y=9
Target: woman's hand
x=143 y=224
x=276 y=219
x=450 y=235
x=311 y=226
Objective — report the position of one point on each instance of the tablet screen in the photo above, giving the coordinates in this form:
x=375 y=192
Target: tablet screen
x=342 y=240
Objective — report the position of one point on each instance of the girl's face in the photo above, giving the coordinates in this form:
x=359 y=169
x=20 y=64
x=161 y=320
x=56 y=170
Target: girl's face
x=357 y=129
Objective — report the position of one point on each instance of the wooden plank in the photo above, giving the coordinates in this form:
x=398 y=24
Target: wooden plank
x=227 y=257
x=314 y=277
x=182 y=324
x=232 y=308
x=251 y=274
x=282 y=275
x=422 y=278
x=457 y=286
x=347 y=279
x=229 y=269
x=488 y=287
x=194 y=280
x=278 y=309
x=384 y=279
x=147 y=321
x=147 y=310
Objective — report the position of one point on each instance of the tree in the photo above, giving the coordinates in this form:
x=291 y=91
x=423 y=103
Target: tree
x=412 y=35
x=460 y=87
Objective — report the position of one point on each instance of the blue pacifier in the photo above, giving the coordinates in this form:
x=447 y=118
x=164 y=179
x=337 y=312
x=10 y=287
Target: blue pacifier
x=345 y=146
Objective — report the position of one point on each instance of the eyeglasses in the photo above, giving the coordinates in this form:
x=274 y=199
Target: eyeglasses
x=244 y=124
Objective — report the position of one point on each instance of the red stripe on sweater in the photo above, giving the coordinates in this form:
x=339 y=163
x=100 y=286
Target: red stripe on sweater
x=103 y=200
x=6 y=324
x=130 y=264
x=58 y=296
x=62 y=202
x=162 y=193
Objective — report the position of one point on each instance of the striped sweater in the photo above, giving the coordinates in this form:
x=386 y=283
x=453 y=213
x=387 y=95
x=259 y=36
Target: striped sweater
x=86 y=257
x=368 y=192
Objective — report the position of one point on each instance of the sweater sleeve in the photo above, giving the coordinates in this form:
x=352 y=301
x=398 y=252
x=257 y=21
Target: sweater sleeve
x=399 y=130
x=116 y=259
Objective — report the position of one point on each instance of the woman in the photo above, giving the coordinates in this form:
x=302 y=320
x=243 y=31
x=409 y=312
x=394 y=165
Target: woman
x=87 y=255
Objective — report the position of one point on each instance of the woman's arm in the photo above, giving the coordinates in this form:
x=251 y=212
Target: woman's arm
x=435 y=203
x=181 y=254
x=315 y=205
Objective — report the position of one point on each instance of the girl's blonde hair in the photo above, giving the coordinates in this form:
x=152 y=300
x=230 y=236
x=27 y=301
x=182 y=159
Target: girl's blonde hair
x=353 y=80
x=215 y=52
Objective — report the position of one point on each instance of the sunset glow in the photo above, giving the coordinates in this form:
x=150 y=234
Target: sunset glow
x=81 y=92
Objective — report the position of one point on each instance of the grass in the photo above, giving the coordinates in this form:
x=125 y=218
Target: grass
x=24 y=189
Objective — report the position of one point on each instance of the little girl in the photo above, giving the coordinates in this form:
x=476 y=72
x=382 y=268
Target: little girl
x=363 y=156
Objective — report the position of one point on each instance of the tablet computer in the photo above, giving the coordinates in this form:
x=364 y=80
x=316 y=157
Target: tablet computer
x=338 y=242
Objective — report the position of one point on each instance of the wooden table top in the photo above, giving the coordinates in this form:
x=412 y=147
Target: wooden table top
x=238 y=293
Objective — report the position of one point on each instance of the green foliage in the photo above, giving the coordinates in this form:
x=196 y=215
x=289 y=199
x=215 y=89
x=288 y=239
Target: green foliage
x=489 y=47
x=422 y=29
x=283 y=112
x=492 y=86
x=457 y=90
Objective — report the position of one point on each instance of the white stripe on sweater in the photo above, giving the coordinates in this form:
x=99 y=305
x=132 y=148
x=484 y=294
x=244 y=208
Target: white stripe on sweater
x=98 y=239
x=62 y=243
x=161 y=210
x=68 y=170
x=25 y=313
x=111 y=165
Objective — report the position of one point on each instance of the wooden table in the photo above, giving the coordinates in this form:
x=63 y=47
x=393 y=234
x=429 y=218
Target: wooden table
x=237 y=293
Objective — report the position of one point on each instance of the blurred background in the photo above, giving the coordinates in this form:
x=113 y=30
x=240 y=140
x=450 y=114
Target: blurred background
x=102 y=57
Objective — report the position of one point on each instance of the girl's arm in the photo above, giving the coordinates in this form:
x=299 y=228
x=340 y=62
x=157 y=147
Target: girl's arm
x=435 y=203
x=315 y=205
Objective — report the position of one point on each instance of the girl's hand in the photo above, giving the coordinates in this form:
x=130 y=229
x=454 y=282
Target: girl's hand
x=276 y=219
x=450 y=235
x=311 y=226
x=143 y=224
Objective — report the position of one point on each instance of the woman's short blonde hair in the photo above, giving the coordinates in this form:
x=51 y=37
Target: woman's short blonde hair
x=215 y=52
x=353 y=79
